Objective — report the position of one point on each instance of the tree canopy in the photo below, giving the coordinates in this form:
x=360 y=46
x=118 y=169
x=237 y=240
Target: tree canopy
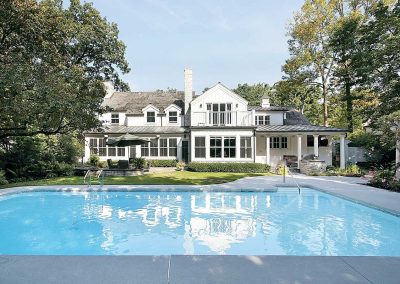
x=53 y=61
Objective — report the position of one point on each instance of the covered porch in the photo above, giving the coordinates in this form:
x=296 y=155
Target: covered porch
x=272 y=147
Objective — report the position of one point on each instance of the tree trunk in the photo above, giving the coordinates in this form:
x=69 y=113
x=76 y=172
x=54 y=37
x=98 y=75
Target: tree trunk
x=325 y=97
x=349 y=104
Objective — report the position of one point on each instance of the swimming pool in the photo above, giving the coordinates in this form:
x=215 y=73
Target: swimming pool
x=195 y=223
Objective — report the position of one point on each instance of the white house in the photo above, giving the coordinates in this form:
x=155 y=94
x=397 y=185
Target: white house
x=216 y=126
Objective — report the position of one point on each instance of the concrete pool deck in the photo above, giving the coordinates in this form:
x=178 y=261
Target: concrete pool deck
x=217 y=269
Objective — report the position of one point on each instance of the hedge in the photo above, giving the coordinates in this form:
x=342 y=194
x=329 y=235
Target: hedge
x=229 y=167
x=163 y=163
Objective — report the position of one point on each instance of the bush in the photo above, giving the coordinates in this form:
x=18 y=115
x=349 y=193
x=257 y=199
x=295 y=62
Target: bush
x=350 y=171
x=3 y=179
x=102 y=164
x=94 y=160
x=180 y=166
x=62 y=169
x=138 y=163
x=385 y=178
x=163 y=163
x=229 y=167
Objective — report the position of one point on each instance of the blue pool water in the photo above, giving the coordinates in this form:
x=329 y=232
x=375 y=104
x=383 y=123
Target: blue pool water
x=163 y=223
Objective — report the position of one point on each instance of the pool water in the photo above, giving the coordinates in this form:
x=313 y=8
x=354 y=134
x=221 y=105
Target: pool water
x=194 y=223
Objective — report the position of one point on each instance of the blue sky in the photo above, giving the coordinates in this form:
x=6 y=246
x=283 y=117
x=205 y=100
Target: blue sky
x=228 y=41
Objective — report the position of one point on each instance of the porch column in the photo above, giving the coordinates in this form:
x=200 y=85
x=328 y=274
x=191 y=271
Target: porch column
x=342 y=155
x=267 y=149
x=316 y=145
x=298 y=150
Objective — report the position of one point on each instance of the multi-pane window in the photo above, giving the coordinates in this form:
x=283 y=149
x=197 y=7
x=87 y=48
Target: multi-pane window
x=115 y=118
x=145 y=150
x=278 y=142
x=173 y=147
x=263 y=120
x=274 y=142
x=102 y=147
x=229 y=147
x=220 y=114
x=153 y=147
x=245 y=147
x=93 y=146
x=151 y=116
x=284 y=142
x=215 y=147
x=200 y=147
x=112 y=151
x=173 y=116
x=163 y=147
x=121 y=151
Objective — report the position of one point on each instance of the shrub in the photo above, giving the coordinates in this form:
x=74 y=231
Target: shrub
x=180 y=166
x=138 y=163
x=385 y=178
x=62 y=169
x=163 y=163
x=229 y=167
x=102 y=164
x=351 y=170
x=94 y=160
x=3 y=179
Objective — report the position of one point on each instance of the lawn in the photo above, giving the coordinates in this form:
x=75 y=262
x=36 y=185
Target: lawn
x=182 y=178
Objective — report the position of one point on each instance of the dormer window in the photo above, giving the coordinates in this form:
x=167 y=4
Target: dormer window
x=173 y=117
x=151 y=116
x=115 y=118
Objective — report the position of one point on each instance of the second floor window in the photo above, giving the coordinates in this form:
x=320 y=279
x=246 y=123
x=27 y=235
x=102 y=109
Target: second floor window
x=173 y=117
x=115 y=118
x=263 y=120
x=151 y=116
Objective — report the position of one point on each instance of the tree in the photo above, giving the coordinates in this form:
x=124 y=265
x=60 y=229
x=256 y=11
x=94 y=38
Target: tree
x=253 y=93
x=52 y=65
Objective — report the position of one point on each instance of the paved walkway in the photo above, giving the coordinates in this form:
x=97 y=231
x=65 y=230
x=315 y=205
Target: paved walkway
x=217 y=269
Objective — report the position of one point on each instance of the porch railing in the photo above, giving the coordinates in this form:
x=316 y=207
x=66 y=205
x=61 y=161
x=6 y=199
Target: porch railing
x=222 y=118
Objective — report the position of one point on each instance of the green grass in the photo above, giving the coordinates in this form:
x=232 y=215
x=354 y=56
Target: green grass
x=170 y=178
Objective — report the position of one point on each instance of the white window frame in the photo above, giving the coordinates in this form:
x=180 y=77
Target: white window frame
x=114 y=120
x=173 y=116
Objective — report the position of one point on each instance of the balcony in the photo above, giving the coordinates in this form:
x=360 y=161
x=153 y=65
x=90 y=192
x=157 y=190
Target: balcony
x=222 y=118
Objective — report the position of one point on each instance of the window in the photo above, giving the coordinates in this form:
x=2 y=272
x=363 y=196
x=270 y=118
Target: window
x=278 y=142
x=245 y=147
x=215 y=147
x=284 y=142
x=102 y=147
x=173 y=117
x=173 y=146
x=153 y=147
x=263 y=119
x=145 y=150
x=151 y=116
x=112 y=151
x=229 y=147
x=200 y=147
x=163 y=147
x=115 y=118
x=121 y=151
x=274 y=142
x=93 y=146
x=220 y=114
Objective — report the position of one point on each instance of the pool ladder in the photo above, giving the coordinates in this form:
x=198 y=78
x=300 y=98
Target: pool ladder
x=291 y=174
x=90 y=176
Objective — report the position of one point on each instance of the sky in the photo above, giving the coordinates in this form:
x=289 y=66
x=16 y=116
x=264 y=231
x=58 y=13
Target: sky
x=230 y=41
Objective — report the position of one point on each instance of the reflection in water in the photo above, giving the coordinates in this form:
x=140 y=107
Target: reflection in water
x=155 y=223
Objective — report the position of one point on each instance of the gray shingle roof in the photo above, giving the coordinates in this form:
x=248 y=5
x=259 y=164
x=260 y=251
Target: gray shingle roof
x=295 y=118
x=140 y=129
x=134 y=102
x=297 y=128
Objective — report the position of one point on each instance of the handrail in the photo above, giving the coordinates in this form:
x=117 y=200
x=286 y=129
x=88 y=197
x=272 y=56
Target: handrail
x=284 y=175
x=98 y=174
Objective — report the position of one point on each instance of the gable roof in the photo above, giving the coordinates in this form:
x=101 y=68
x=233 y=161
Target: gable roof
x=220 y=87
x=134 y=102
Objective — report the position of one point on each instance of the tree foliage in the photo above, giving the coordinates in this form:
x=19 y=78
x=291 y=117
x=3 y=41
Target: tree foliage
x=253 y=93
x=52 y=64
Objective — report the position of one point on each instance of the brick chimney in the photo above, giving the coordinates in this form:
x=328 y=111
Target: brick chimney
x=188 y=94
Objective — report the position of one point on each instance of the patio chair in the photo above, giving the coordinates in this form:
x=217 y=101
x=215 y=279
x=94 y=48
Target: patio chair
x=123 y=164
x=146 y=168
x=111 y=165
